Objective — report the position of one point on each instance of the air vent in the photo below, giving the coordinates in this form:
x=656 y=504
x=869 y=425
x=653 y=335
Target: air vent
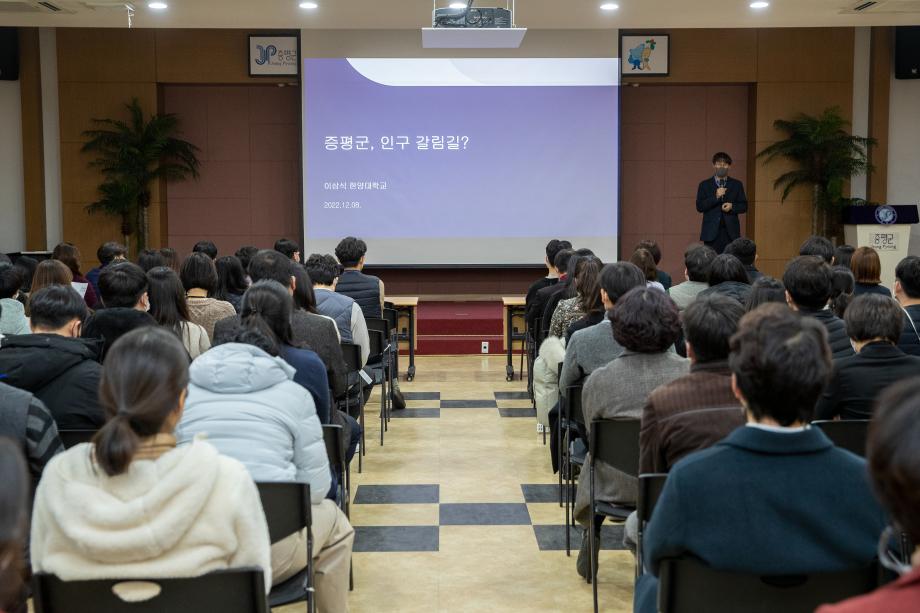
x=883 y=7
x=864 y=6
x=51 y=7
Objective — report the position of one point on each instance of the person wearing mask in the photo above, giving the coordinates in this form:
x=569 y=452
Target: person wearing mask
x=69 y=255
x=907 y=293
x=231 y=280
x=697 y=260
x=123 y=288
x=106 y=254
x=720 y=199
x=13 y=318
x=345 y=312
x=807 y=280
x=867 y=268
x=199 y=278
x=366 y=290
x=169 y=309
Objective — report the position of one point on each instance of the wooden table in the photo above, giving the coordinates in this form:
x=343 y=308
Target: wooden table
x=408 y=305
x=513 y=305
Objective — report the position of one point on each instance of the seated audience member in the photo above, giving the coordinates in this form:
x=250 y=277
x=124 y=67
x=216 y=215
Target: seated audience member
x=199 y=278
x=842 y=256
x=819 y=246
x=572 y=309
x=552 y=273
x=26 y=265
x=27 y=422
x=745 y=250
x=894 y=472
x=231 y=280
x=14 y=526
x=106 y=254
x=13 y=318
x=54 y=363
x=874 y=324
x=588 y=287
x=775 y=497
x=69 y=255
x=808 y=288
x=206 y=247
x=303 y=295
x=366 y=290
x=728 y=277
x=867 y=268
x=169 y=309
x=646 y=324
x=907 y=292
x=289 y=248
x=537 y=304
x=323 y=271
x=653 y=248
x=150 y=258
x=247 y=402
x=563 y=290
x=245 y=254
x=49 y=272
x=170 y=258
x=123 y=288
x=132 y=504
x=842 y=284
x=697 y=260
x=644 y=259
x=764 y=290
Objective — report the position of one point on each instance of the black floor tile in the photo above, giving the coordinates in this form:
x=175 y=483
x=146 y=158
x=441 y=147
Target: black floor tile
x=468 y=404
x=518 y=412
x=540 y=492
x=422 y=395
x=512 y=396
x=552 y=538
x=396 y=538
x=397 y=494
x=484 y=514
x=409 y=413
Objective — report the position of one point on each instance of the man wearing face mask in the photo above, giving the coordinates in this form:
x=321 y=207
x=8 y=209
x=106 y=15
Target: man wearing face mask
x=123 y=289
x=720 y=199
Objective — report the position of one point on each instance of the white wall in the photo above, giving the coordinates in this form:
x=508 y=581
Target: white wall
x=904 y=148
x=12 y=200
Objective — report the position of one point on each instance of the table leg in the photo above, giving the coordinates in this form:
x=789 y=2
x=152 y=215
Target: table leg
x=509 y=334
x=411 y=372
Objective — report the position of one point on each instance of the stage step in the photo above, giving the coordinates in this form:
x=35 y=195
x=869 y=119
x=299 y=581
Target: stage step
x=455 y=344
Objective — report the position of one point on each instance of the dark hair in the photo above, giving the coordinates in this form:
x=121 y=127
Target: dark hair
x=709 y=323
x=843 y=254
x=842 y=285
x=198 y=271
x=350 y=250
x=819 y=246
x=287 y=247
x=652 y=248
x=50 y=272
x=891 y=452
x=304 y=297
x=872 y=316
x=245 y=254
x=587 y=284
x=561 y=261
x=721 y=156
x=744 y=249
x=150 y=258
x=267 y=308
x=69 y=255
x=645 y=320
x=10 y=280
x=14 y=521
x=122 y=284
x=866 y=266
x=170 y=258
x=781 y=362
x=908 y=273
x=143 y=377
x=555 y=246
x=26 y=266
x=727 y=267
x=644 y=259
x=53 y=307
x=206 y=247
x=764 y=290
x=584 y=252
x=323 y=269
x=109 y=251
x=231 y=279
x=168 y=305
x=271 y=265
x=618 y=278
x=808 y=280
x=697 y=259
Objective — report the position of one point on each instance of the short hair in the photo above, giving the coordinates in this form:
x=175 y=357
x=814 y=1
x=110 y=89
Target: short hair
x=908 y=273
x=763 y=290
x=206 y=247
x=109 y=251
x=10 y=281
x=697 y=260
x=587 y=284
x=170 y=258
x=645 y=320
x=842 y=285
x=583 y=252
x=322 y=268
x=561 y=261
x=350 y=250
x=721 y=156
x=726 y=267
x=287 y=247
x=122 y=284
x=709 y=323
x=744 y=249
x=891 y=452
x=150 y=258
x=245 y=254
x=271 y=265
x=843 y=254
x=652 y=248
x=872 y=316
x=198 y=270
x=644 y=259
x=53 y=307
x=781 y=362
x=819 y=246
x=618 y=278
x=555 y=246
x=866 y=266
x=808 y=280
x=69 y=255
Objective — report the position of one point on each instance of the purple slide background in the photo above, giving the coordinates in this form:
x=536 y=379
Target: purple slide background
x=541 y=161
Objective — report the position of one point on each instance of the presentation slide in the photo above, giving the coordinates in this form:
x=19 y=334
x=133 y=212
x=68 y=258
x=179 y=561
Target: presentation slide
x=461 y=161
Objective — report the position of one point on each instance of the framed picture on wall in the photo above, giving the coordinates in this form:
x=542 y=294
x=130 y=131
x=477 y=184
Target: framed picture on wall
x=644 y=55
x=274 y=55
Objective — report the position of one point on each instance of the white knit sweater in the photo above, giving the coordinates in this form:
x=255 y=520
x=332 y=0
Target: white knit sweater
x=189 y=512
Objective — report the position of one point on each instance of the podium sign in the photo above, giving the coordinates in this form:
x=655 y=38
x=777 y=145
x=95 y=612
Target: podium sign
x=886 y=229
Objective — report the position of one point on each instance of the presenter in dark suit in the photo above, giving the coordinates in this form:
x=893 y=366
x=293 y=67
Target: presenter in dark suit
x=720 y=199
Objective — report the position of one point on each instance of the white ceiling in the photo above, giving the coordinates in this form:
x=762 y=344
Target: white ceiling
x=396 y=14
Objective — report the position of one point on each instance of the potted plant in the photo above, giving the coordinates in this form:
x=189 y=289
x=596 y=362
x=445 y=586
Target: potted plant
x=132 y=155
x=825 y=156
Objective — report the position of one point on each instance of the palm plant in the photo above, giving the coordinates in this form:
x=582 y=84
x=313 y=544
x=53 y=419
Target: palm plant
x=825 y=156
x=132 y=155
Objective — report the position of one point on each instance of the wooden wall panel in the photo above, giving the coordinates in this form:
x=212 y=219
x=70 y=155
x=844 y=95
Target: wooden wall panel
x=710 y=56
x=879 y=94
x=205 y=56
x=33 y=156
x=106 y=55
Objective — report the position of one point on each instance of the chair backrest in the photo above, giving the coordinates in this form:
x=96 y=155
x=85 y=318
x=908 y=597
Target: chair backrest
x=392 y=318
x=573 y=403
x=379 y=325
x=287 y=508
x=650 y=488
x=71 y=438
x=687 y=585
x=335 y=447
x=616 y=442
x=352 y=354
x=228 y=591
x=849 y=434
x=376 y=341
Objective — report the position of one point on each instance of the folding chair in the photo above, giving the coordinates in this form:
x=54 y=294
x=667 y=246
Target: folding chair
x=240 y=590
x=378 y=348
x=650 y=487
x=288 y=510
x=392 y=318
x=386 y=357
x=72 y=438
x=573 y=419
x=333 y=436
x=687 y=585
x=849 y=434
x=352 y=355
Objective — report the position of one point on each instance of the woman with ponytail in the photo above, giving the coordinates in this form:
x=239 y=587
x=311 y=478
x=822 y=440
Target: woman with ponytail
x=132 y=504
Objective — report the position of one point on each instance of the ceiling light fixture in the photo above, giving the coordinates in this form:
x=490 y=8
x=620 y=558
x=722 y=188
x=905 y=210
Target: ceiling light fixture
x=157 y=6
x=609 y=6
x=759 y=5
x=309 y=5
x=457 y=5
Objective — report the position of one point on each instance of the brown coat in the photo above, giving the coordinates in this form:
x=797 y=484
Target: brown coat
x=686 y=415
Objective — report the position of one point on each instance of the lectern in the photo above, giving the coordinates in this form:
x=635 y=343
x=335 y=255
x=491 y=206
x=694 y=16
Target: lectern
x=885 y=228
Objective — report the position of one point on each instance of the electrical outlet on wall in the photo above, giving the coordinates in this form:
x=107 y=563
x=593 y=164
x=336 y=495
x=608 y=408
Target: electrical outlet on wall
x=485 y=346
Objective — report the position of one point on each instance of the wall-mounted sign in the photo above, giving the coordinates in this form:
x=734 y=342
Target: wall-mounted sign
x=274 y=56
x=645 y=55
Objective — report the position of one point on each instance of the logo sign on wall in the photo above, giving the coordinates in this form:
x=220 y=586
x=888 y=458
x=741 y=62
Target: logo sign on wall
x=644 y=55
x=274 y=56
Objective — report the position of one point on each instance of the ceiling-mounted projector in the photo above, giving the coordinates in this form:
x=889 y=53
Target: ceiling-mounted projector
x=465 y=27
x=470 y=17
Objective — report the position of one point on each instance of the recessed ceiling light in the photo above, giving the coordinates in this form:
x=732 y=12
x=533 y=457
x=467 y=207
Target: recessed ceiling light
x=609 y=6
x=157 y=6
x=457 y=5
x=309 y=5
x=759 y=5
